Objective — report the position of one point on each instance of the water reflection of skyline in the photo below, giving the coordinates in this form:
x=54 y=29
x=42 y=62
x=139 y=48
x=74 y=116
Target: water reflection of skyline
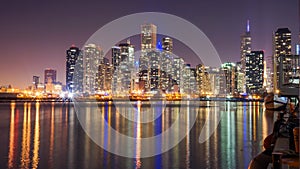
x=49 y=135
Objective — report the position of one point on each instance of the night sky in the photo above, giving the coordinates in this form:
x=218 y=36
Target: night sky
x=34 y=35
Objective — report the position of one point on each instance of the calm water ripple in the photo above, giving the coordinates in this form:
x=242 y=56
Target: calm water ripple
x=49 y=135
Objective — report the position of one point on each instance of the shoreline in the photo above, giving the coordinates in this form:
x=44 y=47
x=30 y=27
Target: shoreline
x=9 y=99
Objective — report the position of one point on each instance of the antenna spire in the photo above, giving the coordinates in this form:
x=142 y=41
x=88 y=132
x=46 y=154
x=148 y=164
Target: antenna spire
x=248 y=25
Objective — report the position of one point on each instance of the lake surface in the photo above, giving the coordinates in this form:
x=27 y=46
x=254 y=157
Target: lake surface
x=50 y=135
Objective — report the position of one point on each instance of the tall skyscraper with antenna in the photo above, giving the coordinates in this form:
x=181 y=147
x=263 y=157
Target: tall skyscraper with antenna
x=245 y=45
x=245 y=50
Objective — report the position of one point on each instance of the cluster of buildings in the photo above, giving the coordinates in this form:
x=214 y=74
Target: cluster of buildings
x=50 y=85
x=158 y=70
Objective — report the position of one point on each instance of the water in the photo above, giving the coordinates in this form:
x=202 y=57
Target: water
x=49 y=135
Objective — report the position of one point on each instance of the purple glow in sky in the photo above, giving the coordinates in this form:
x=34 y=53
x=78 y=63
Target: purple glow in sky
x=34 y=35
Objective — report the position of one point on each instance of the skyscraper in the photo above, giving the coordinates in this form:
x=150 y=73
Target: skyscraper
x=104 y=75
x=245 y=49
x=203 y=81
x=240 y=78
x=228 y=81
x=245 y=45
x=282 y=47
x=254 y=72
x=78 y=74
x=177 y=69
x=214 y=79
x=148 y=43
x=50 y=76
x=116 y=56
x=92 y=56
x=35 y=82
x=127 y=53
x=115 y=60
x=71 y=58
x=126 y=67
x=148 y=36
x=154 y=69
x=166 y=64
x=188 y=80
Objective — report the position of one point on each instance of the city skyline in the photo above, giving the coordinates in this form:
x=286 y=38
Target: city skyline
x=49 y=50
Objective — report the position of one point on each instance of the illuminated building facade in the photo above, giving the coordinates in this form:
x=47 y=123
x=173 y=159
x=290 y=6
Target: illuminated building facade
x=289 y=72
x=126 y=67
x=104 y=75
x=50 y=76
x=214 y=79
x=116 y=56
x=245 y=49
x=35 y=82
x=78 y=74
x=166 y=64
x=154 y=69
x=227 y=80
x=178 y=67
x=71 y=58
x=193 y=82
x=148 y=43
x=203 y=81
x=115 y=60
x=240 y=78
x=245 y=46
x=254 y=72
x=282 y=47
x=188 y=84
x=123 y=68
x=92 y=56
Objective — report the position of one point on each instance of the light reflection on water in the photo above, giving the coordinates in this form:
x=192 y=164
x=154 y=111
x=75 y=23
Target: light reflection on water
x=48 y=135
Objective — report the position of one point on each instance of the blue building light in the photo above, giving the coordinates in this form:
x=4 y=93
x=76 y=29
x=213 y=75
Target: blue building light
x=159 y=46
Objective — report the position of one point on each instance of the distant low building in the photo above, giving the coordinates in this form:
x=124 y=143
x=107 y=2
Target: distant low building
x=50 y=76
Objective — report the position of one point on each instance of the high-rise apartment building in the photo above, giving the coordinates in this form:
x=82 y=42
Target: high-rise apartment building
x=178 y=67
x=115 y=60
x=104 y=75
x=124 y=68
x=189 y=85
x=92 y=57
x=115 y=56
x=154 y=69
x=203 y=81
x=71 y=59
x=148 y=43
x=166 y=64
x=214 y=80
x=227 y=79
x=254 y=72
x=240 y=78
x=282 y=47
